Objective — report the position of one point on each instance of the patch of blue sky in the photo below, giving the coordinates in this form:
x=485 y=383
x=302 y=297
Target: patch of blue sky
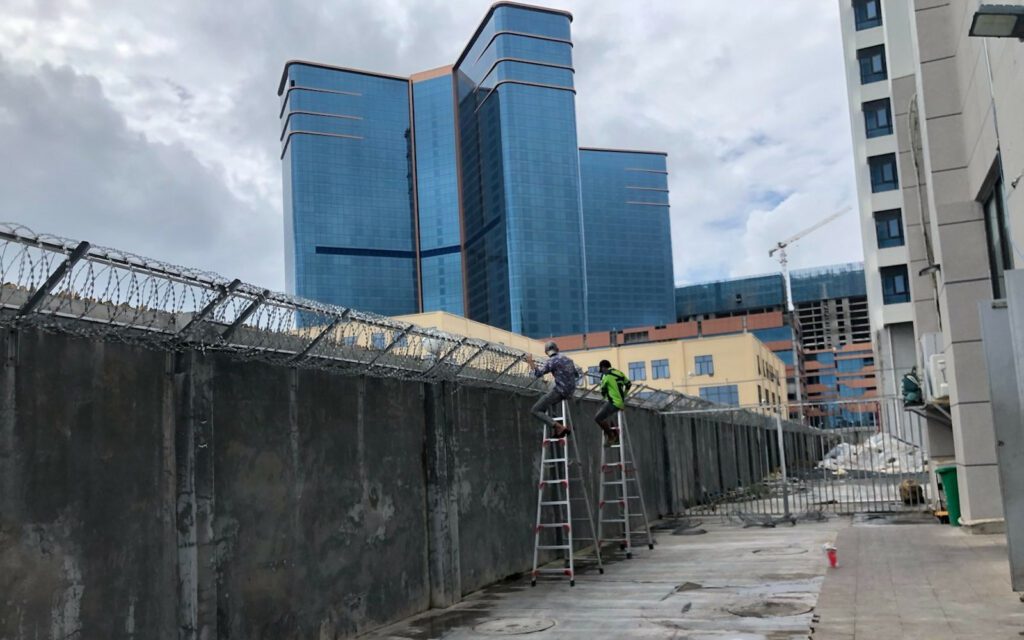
x=770 y=198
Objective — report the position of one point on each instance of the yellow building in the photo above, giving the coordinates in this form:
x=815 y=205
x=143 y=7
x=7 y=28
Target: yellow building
x=735 y=369
x=450 y=323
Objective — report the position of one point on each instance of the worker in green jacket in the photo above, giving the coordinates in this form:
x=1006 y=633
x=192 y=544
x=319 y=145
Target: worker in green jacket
x=614 y=388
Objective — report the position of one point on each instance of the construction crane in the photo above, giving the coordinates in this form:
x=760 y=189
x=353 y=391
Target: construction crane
x=780 y=248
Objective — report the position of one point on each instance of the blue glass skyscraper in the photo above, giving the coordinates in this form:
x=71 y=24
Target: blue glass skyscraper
x=463 y=189
x=437 y=192
x=626 y=224
x=348 y=199
x=520 y=159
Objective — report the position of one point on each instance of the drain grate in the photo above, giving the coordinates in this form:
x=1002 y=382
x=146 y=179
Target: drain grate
x=770 y=609
x=513 y=626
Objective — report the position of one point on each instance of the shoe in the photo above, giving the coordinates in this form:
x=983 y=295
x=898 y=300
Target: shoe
x=611 y=438
x=560 y=430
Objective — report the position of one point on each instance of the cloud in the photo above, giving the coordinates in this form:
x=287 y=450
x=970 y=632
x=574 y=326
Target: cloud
x=749 y=102
x=78 y=171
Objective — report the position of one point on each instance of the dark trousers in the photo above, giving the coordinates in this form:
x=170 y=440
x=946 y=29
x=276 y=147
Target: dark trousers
x=548 y=400
x=606 y=411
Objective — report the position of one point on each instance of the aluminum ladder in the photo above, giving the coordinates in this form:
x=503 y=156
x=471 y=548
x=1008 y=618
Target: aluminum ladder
x=561 y=474
x=620 y=503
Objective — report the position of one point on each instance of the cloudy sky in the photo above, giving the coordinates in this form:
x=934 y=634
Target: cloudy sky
x=152 y=126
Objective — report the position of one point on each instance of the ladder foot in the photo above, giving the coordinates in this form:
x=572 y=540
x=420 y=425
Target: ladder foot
x=600 y=570
x=650 y=545
x=533 y=583
x=629 y=556
x=572 y=583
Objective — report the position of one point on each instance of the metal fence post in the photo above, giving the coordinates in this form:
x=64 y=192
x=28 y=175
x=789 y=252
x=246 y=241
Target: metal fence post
x=54 y=278
x=782 y=465
x=245 y=315
x=210 y=307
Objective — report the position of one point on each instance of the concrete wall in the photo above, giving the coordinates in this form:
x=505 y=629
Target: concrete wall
x=152 y=495
x=149 y=495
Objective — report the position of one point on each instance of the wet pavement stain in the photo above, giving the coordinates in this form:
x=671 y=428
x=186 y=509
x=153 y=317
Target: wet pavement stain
x=436 y=626
x=513 y=626
x=780 y=551
x=770 y=609
x=687 y=531
x=788 y=577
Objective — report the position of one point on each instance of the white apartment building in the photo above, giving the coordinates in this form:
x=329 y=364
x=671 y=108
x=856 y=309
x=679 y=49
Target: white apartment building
x=936 y=182
x=881 y=74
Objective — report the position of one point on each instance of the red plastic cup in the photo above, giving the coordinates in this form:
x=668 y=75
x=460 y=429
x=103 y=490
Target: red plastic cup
x=833 y=558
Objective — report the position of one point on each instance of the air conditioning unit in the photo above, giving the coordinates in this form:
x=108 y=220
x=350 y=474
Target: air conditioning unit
x=938 y=383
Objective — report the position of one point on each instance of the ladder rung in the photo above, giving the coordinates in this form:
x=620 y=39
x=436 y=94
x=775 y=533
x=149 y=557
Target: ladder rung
x=553 y=460
x=561 y=572
x=551 y=503
x=619 y=520
x=552 y=525
x=553 y=546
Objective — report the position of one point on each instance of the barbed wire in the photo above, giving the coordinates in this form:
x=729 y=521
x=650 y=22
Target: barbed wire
x=63 y=285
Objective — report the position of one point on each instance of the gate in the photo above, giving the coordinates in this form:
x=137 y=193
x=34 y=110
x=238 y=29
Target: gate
x=846 y=457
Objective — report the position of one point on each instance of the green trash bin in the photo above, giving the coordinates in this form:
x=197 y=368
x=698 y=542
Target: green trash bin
x=947 y=476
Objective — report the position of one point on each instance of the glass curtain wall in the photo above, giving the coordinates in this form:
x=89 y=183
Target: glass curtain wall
x=628 y=241
x=346 y=148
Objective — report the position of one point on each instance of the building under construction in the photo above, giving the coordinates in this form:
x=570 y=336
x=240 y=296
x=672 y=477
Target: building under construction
x=839 y=364
x=831 y=306
x=829 y=343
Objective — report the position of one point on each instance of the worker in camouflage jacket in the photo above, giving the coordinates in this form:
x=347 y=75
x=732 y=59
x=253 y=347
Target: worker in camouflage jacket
x=566 y=374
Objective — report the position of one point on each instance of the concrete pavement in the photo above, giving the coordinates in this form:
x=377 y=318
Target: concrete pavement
x=735 y=583
x=919 y=581
x=895 y=581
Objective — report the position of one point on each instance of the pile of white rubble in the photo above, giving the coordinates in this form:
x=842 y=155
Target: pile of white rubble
x=881 y=453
